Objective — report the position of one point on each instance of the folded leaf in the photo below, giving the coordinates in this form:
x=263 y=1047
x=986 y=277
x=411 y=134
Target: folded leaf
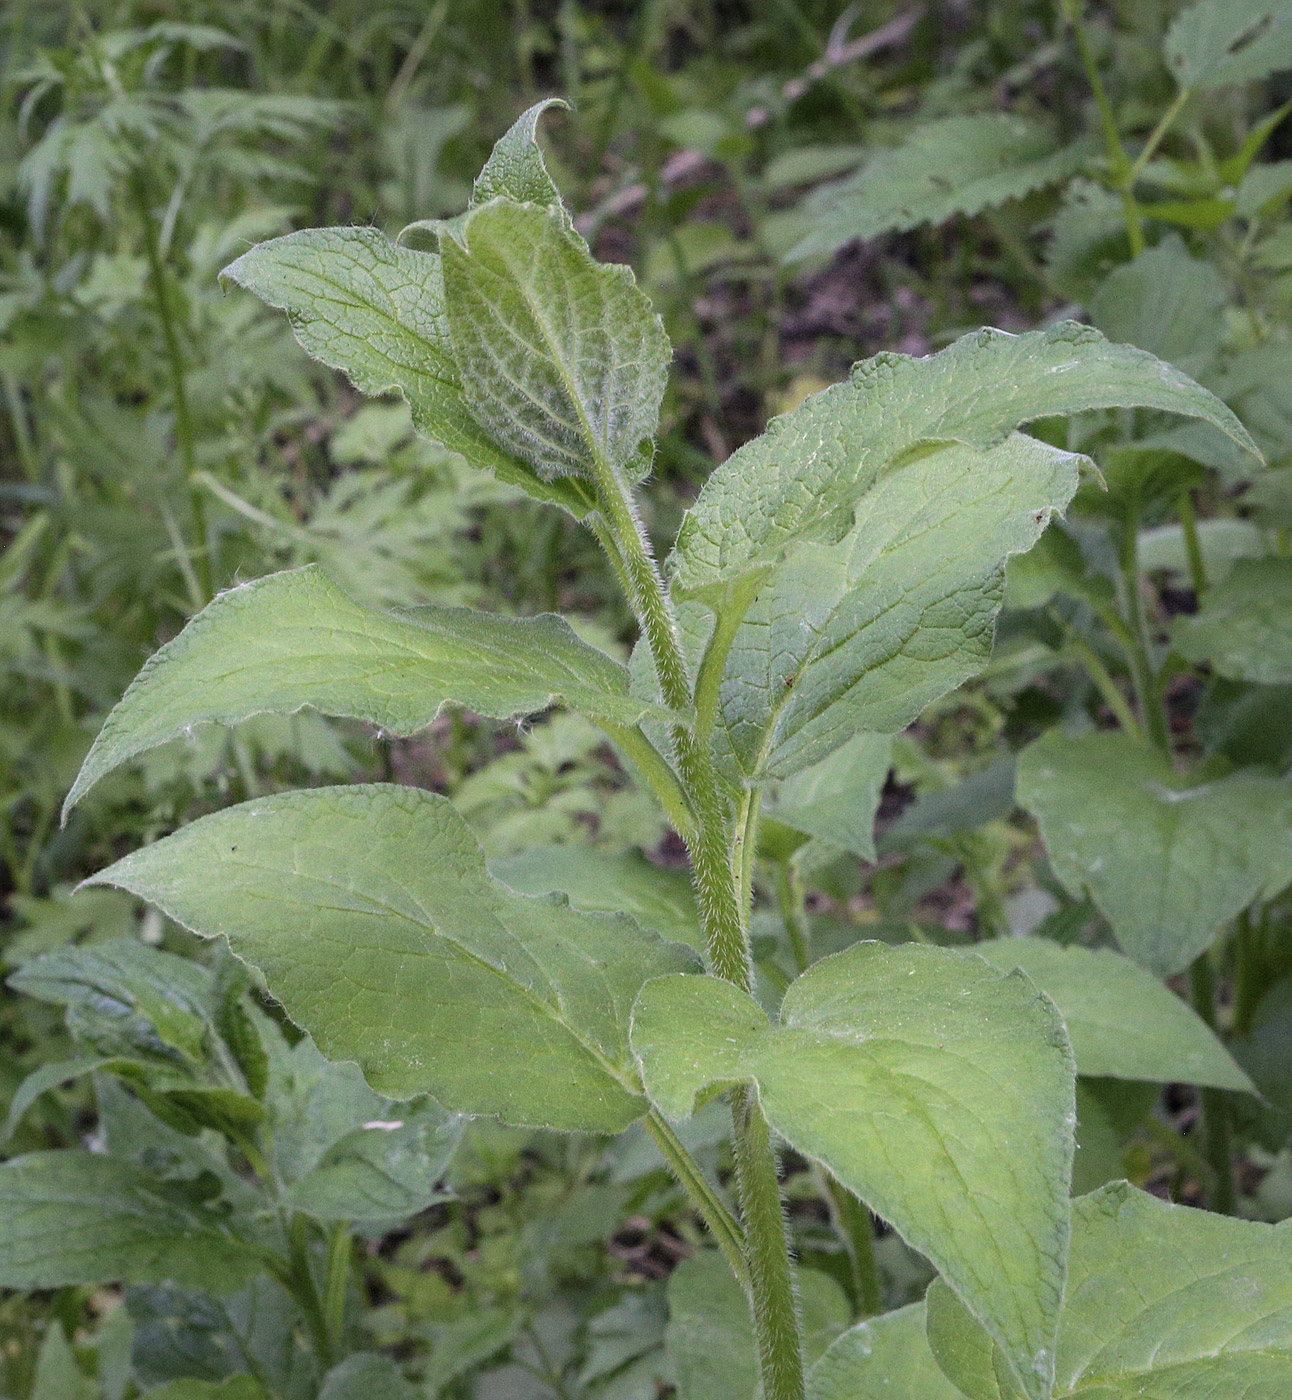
x=959 y=165
x=1244 y=627
x=75 y=1217
x=372 y=916
x=1123 y=1023
x=1167 y=860
x=904 y=1070
x=563 y=360
x=1163 y=1302
x=1219 y=42
x=366 y=306
x=884 y=1358
x=516 y=168
x=295 y=639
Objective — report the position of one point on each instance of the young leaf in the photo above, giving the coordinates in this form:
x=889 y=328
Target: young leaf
x=1244 y=627
x=836 y=800
x=515 y=168
x=884 y=1358
x=75 y=1217
x=804 y=477
x=1220 y=42
x=370 y=911
x=1168 y=860
x=904 y=1070
x=562 y=358
x=1162 y=1301
x=364 y=305
x=958 y=165
x=295 y=639
x=1123 y=1023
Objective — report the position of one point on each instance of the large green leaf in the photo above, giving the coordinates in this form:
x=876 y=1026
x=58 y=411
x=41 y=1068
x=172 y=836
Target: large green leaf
x=1244 y=627
x=864 y=634
x=562 y=358
x=884 y=1358
x=370 y=911
x=295 y=639
x=1163 y=1303
x=1167 y=859
x=366 y=306
x=958 y=165
x=1219 y=42
x=904 y=1070
x=804 y=477
x=76 y=1218
x=1123 y=1023
x=836 y=800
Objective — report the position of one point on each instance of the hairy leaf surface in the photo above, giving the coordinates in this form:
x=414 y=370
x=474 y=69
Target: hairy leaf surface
x=1219 y=42
x=883 y=1358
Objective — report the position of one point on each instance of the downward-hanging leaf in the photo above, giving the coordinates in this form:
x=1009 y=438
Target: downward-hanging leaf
x=884 y=1358
x=1220 y=42
x=562 y=358
x=836 y=800
x=1167 y=859
x=76 y=1217
x=295 y=639
x=370 y=911
x=1163 y=1302
x=1244 y=626
x=1123 y=1023
x=959 y=165
x=904 y=1070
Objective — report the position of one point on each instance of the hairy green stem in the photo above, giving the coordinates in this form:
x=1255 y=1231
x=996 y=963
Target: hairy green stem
x=791 y=899
x=851 y=1222
x=301 y=1285
x=1099 y=674
x=1158 y=132
x=1249 y=985
x=1193 y=545
x=1215 y=1105
x=340 y=1249
x=1145 y=677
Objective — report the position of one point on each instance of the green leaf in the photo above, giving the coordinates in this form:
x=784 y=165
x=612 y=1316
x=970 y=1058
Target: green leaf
x=562 y=359
x=367 y=1375
x=1163 y=1302
x=1244 y=627
x=1220 y=42
x=40 y=1081
x=516 y=169
x=1123 y=1023
x=295 y=639
x=370 y=911
x=884 y=1358
x=836 y=800
x=903 y=1070
x=804 y=477
x=57 y=1375
x=627 y=883
x=864 y=634
x=235 y=1388
x=364 y=305
x=958 y=165
x=78 y=1218
x=1168 y=860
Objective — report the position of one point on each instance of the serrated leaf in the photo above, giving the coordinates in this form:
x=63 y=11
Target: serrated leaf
x=1123 y=1023
x=804 y=476
x=958 y=165
x=372 y=916
x=884 y=1358
x=79 y=1218
x=563 y=360
x=515 y=168
x=1220 y=42
x=864 y=634
x=374 y=310
x=294 y=639
x=1244 y=626
x=1162 y=1301
x=903 y=1070
x=1168 y=860
x=836 y=800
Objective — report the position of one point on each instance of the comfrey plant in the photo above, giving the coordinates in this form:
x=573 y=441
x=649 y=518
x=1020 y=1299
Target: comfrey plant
x=834 y=577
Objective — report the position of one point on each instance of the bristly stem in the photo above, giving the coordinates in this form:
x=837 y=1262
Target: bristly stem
x=1215 y=1104
x=340 y=1248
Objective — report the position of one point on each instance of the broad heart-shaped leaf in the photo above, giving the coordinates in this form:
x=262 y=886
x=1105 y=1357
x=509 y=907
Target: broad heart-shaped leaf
x=562 y=358
x=1168 y=860
x=366 y=306
x=1244 y=627
x=935 y=1087
x=836 y=800
x=864 y=634
x=372 y=916
x=1123 y=1023
x=1163 y=1303
x=884 y=1358
x=1219 y=42
x=959 y=165
x=77 y=1217
x=804 y=476
x=295 y=639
